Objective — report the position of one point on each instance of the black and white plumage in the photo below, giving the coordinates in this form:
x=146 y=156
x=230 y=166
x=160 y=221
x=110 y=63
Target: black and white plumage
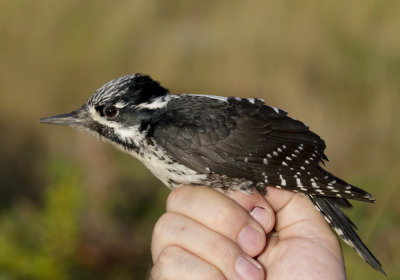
x=228 y=143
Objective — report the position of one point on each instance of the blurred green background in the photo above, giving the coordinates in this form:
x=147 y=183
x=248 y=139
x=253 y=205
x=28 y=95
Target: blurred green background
x=74 y=208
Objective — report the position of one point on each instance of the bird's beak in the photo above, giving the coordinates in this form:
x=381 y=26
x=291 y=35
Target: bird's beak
x=77 y=118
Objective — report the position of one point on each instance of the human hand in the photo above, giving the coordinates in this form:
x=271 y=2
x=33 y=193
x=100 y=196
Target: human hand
x=304 y=246
x=206 y=235
x=201 y=237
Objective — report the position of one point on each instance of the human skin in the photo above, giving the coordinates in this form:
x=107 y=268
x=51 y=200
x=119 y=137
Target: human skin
x=206 y=234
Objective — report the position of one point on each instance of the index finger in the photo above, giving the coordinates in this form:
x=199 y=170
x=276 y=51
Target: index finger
x=223 y=215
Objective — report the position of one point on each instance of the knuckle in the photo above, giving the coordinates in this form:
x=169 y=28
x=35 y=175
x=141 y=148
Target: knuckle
x=169 y=253
x=175 y=196
x=162 y=224
x=174 y=263
x=165 y=266
x=158 y=272
x=162 y=235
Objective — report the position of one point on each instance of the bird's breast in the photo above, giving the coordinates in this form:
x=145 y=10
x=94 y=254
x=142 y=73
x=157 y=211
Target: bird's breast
x=167 y=169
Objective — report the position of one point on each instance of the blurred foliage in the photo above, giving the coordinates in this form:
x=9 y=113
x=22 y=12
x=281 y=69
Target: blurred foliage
x=73 y=208
x=41 y=243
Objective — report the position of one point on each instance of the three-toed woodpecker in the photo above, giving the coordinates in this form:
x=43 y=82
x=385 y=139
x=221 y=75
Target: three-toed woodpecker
x=228 y=143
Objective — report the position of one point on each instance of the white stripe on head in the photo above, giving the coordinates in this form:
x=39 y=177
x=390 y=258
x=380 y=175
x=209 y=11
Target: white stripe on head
x=221 y=98
x=156 y=103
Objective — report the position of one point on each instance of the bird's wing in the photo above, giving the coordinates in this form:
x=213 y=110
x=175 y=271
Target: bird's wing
x=244 y=138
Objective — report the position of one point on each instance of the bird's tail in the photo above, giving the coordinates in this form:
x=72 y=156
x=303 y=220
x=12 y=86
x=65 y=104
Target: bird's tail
x=344 y=227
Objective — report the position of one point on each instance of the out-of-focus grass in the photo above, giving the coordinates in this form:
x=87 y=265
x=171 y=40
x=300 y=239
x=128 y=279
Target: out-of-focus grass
x=41 y=243
x=333 y=64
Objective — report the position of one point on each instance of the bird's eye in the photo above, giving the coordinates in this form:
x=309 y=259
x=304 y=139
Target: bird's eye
x=110 y=111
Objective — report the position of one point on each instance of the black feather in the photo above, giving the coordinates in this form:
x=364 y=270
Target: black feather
x=344 y=227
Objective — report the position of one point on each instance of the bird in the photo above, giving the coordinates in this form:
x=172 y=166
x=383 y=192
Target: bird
x=228 y=143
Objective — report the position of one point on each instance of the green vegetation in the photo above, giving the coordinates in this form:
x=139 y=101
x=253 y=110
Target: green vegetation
x=73 y=208
x=41 y=243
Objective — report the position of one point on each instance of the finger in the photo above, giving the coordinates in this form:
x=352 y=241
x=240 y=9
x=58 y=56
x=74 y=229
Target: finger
x=297 y=217
x=278 y=198
x=257 y=206
x=221 y=214
x=176 y=263
x=302 y=234
x=212 y=247
x=292 y=209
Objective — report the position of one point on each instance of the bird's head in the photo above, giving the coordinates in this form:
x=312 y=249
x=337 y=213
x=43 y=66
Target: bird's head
x=118 y=110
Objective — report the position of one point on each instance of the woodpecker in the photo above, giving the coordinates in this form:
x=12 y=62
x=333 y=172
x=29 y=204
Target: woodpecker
x=228 y=143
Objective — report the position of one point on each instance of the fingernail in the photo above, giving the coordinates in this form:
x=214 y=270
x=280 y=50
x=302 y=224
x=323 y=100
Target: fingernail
x=248 y=268
x=250 y=239
x=263 y=216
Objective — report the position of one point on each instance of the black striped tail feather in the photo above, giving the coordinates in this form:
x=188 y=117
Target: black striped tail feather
x=344 y=227
x=315 y=181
